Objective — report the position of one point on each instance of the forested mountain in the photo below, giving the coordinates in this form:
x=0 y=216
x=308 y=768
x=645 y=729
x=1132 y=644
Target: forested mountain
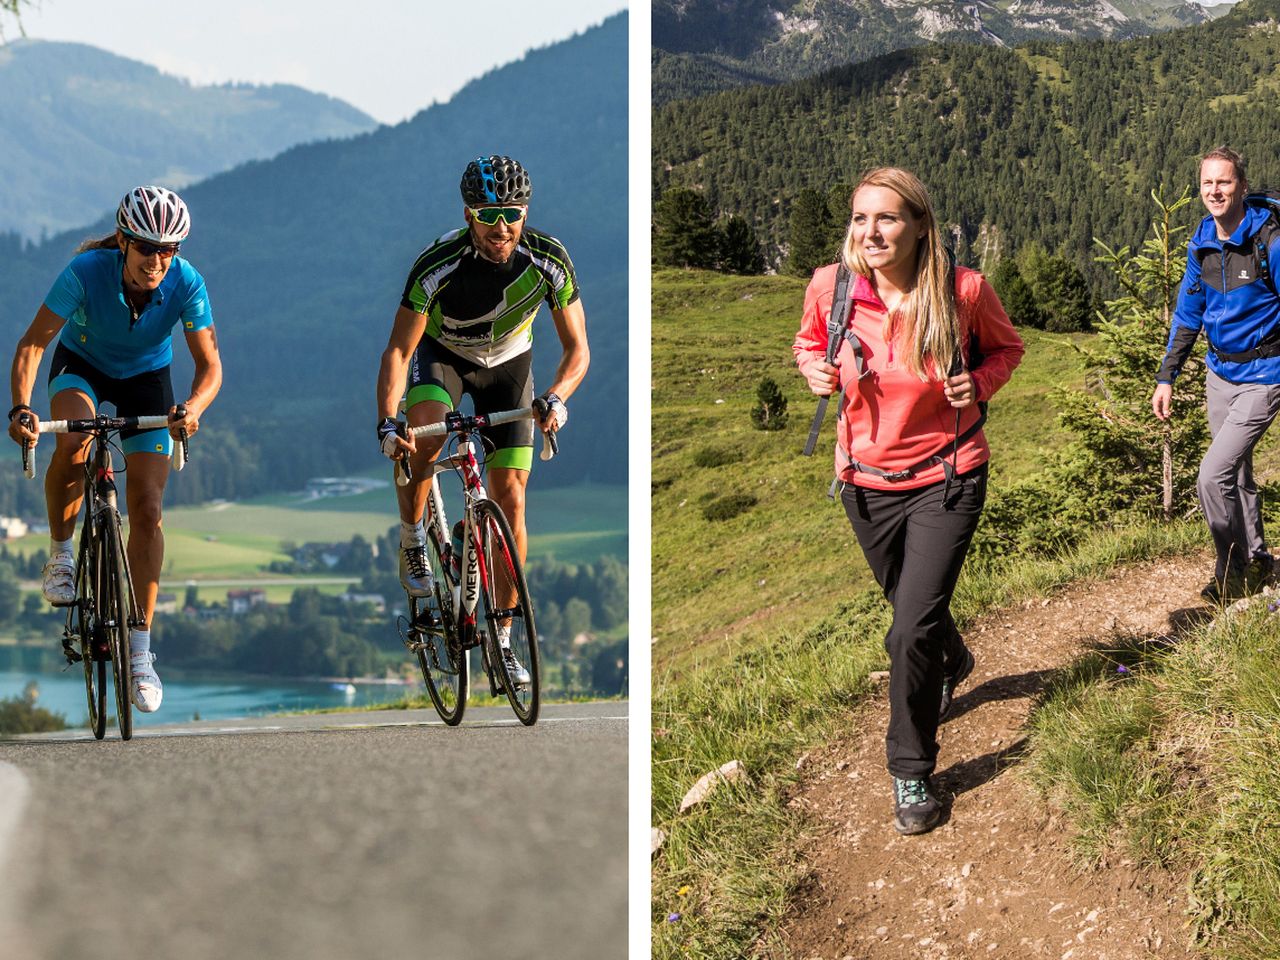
x=306 y=257
x=1052 y=142
x=77 y=122
x=705 y=45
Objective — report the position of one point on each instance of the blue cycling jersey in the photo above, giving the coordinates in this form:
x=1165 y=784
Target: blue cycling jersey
x=89 y=295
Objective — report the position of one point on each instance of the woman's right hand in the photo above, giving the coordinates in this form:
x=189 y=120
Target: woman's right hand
x=20 y=432
x=823 y=378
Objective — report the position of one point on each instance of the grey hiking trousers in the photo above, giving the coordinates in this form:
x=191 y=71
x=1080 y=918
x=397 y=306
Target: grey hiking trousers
x=1239 y=414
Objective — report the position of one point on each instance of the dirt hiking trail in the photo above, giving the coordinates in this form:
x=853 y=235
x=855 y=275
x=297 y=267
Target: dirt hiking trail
x=996 y=878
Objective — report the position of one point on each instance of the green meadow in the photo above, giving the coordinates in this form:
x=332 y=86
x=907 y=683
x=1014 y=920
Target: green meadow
x=238 y=540
x=767 y=625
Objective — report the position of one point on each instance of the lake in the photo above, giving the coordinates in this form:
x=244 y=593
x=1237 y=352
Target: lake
x=191 y=697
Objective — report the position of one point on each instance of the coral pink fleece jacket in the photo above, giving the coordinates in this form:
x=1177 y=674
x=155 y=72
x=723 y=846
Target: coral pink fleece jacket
x=891 y=419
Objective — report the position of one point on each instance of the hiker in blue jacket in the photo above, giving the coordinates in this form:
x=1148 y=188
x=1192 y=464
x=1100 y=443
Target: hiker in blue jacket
x=1230 y=291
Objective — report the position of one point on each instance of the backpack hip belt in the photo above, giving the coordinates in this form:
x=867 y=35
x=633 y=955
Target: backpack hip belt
x=1269 y=347
x=948 y=466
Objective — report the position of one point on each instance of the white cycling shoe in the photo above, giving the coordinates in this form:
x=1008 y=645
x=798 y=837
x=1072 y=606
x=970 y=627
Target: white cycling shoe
x=415 y=571
x=515 y=669
x=147 y=690
x=59 y=583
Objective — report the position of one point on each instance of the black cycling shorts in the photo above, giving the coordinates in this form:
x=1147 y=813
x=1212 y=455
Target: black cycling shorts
x=148 y=394
x=437 y=373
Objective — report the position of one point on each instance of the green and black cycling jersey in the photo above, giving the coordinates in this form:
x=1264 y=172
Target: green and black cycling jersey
x=484 y=311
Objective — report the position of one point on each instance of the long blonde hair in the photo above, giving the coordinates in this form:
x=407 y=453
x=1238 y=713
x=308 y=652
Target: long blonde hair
x=925 y=323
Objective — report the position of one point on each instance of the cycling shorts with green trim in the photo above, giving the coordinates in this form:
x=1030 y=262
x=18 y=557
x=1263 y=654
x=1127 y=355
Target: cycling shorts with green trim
x=437 y=373
x=145 y=395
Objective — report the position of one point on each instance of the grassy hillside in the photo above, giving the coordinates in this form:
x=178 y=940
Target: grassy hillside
x=768 y=626
x=782 y=563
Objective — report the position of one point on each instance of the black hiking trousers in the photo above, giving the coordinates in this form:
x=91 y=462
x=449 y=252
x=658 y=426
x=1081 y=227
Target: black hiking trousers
x=915 y=545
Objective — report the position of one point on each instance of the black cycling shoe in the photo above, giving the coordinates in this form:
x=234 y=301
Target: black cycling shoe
x=915 y=808
x=952 y=680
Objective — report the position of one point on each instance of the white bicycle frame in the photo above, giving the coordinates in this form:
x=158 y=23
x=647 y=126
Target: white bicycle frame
x=466 y=596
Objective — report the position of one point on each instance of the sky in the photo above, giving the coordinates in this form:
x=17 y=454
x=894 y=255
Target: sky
x=389 y=58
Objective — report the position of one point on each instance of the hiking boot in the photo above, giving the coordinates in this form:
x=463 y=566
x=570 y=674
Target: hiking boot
x=415 y=573
x=915 y=808
x=1260 y=571
x=147 y=691
x=1217 y=592
x=59 y=584
x=952 y=680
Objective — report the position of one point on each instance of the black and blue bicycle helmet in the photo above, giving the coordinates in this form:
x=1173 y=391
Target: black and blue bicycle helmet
x=495 y=180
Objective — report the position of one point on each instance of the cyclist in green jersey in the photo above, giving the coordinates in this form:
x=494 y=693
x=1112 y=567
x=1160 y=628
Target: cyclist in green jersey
x=465 y=325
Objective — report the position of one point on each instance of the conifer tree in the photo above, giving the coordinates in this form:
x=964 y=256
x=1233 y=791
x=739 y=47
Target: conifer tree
x=739 y=248
x=770 y=409
x=683 y=232
x=810 y=234
x=1061 y=292
x=1015 y=295
x=1125 y=446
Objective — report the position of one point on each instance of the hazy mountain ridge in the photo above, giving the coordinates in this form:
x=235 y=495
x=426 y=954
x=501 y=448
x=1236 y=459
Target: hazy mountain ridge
x=708 y=45
x=1053 y=142
x=306 y=256
x=76 y=122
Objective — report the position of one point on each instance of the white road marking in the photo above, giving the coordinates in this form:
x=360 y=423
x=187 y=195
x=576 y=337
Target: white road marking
x=14 y=791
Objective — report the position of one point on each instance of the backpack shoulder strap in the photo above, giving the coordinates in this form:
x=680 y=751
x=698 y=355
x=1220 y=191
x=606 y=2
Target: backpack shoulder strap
x=1268 y=200
x=837 y=321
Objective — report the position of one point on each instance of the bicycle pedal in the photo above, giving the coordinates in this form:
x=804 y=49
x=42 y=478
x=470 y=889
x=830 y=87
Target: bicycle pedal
x=414 y=645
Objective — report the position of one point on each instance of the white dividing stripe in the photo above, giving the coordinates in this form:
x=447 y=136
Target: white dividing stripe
x=14 y=791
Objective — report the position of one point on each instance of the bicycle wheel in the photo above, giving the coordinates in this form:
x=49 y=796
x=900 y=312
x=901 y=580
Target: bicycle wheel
x=502 y=575
x=445 y=664
x=115 y=611
x=93 y=651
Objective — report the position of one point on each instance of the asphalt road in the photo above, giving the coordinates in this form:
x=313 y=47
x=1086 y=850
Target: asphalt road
x=352 y=836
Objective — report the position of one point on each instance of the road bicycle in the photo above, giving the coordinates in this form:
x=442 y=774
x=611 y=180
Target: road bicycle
x=473 y=569
x=105 y=606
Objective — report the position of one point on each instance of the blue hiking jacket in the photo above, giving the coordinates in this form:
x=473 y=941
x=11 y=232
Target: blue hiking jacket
x=1223 y=294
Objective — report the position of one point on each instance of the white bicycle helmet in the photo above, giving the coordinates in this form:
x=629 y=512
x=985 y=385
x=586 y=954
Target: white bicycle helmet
x=154 y=214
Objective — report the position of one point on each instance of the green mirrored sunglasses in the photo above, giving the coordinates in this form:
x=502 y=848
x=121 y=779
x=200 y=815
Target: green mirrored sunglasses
x=491 y=215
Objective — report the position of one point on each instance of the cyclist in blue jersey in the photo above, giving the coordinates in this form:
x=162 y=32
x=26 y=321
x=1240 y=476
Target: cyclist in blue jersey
x=465 y=325
x=113 y=310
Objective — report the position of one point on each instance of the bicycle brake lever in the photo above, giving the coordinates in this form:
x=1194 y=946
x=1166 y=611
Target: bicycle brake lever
x=550 y=446
x=28 y=461
x=403 y=472
x=184 y=454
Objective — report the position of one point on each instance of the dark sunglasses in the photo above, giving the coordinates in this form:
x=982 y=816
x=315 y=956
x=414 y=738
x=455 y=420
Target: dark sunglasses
x=150 y=249
x=491 y=215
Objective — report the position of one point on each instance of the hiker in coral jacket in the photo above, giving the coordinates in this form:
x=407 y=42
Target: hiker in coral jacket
x=911 y=459
x=1229 y=290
